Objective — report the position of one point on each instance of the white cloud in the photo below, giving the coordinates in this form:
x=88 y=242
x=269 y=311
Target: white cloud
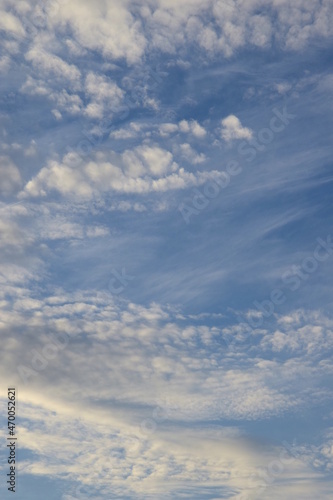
x=123 y=134
x=261 y=30
x=60 y=227
x=158 y=161
x=171 y=26
x=10 y=23
x=50 y=64
x=68 y=102
x=10 y=177
x=166 y=129
x=71 y=103
x=191 y=155
x=56 y=113
x=170 y=462
x=132 y=131
x=91 y=25
x=192 y=127
x=294 y=335
x=34 y=87
x=11 y=234
x=144 y=366
x=197 y=130
x=144 y=169
x=59 y=177
x=105 y=95
x=233 y=129
x=102 y=89
x=95 y=110
x=74 y=48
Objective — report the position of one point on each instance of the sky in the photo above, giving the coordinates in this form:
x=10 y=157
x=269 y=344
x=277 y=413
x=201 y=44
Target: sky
x=166 y=248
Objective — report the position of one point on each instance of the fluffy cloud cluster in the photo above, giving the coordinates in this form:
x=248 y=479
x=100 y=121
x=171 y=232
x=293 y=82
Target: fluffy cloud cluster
x=146 y=365
x=191 y=127
x=102 y=93
x=233 y=129
x=53 y=66
x=128 y=30
x=144 y=169
x=125 y=31
x=147 y=352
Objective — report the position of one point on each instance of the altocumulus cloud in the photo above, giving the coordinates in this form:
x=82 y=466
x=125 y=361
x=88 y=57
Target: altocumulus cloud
x=160 y=392
x=149 y=444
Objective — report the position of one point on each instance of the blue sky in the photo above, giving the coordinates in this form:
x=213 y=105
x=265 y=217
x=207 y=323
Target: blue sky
x=166 y=254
